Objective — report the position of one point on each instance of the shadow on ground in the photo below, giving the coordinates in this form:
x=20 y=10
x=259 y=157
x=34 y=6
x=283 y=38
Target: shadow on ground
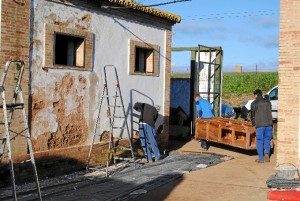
x=122 y=184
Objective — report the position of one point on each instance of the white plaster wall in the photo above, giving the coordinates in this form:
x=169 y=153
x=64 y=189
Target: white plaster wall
x=111 y=47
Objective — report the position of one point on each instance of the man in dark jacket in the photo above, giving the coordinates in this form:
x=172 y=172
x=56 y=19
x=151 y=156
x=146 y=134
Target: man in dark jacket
x=261 y=117
x=147 y=129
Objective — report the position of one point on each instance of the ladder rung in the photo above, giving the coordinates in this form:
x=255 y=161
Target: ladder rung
x=12 y=105
x=115 y=106
x=117 y=117
x=119 y=128
x=123 y=159
x=105 y=96
x=121 y=148
x=97 y=168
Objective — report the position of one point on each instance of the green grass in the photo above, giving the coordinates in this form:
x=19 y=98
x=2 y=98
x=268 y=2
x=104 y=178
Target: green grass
x=180 y=75
x=243 y=83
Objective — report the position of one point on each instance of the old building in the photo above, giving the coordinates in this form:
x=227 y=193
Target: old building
x=65 y=45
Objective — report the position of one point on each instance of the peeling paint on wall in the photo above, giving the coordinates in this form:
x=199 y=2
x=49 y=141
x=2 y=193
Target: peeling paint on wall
x=65 y=102
x=61 y=122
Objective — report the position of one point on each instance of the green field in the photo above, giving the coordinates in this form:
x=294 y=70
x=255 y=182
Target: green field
x=238 y=87
x=243 y=83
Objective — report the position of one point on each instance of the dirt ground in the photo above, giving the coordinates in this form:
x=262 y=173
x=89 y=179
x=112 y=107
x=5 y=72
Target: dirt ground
x=239 y=179
x=236 y=100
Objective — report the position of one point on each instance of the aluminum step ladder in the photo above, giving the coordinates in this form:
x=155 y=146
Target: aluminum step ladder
x=8 y=110
x=111 y=114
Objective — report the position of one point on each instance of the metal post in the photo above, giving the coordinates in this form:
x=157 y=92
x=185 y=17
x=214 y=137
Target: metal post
x=209 y=75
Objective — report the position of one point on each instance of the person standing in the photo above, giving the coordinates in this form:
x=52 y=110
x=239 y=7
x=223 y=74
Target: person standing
x=147 y=119
x=203 y=107
x=261 y=117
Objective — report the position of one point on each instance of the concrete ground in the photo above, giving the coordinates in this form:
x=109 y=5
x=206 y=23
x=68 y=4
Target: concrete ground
x=240 y=179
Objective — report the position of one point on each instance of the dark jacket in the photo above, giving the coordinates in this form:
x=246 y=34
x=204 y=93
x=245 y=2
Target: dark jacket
x=148 y=115
x=261 y=112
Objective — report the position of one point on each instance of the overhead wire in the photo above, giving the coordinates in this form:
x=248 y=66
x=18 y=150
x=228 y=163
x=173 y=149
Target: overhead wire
x=230 y=15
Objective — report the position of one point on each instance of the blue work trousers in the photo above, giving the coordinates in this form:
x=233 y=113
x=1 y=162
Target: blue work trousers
x=147 y=135
x=264 y=136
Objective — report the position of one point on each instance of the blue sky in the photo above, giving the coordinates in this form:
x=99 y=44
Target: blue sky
x=247 y=30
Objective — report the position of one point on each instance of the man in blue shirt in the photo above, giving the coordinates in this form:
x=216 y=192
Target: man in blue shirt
x=203 y=107
x=228 y=111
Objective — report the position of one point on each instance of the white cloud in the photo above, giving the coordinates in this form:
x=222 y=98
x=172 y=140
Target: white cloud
x=269 y=41
x=262 y=66
x=266 y=22
x=193 y=28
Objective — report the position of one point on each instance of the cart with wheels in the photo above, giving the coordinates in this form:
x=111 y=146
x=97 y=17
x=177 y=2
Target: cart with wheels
x=232 y=132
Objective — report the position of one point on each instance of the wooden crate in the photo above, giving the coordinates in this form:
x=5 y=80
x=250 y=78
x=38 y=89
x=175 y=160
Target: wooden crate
x=236 y=133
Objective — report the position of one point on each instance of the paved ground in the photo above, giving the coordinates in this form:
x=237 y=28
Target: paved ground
x=240 y=179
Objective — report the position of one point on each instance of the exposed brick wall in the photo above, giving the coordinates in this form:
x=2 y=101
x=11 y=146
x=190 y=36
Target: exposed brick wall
x=289 y=82
x=55 y=162
x=15 y=28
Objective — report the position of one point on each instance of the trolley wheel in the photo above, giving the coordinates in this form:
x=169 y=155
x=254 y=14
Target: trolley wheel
x=204 y=144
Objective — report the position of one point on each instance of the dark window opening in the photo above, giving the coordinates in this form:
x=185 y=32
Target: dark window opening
x=144 y=60
x=69 y=50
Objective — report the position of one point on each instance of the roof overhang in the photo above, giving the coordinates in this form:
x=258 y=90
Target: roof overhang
x=149 y=10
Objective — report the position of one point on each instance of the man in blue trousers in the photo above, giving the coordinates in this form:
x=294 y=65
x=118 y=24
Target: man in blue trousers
x=261 y=117
x=147 y=129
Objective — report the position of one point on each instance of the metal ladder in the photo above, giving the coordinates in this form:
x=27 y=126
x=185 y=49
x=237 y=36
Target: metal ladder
x=8 y=109
x=111 y=114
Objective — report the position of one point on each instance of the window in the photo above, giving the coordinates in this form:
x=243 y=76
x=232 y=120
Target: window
x=274 y=94
x=144 y=59
x=69 y=50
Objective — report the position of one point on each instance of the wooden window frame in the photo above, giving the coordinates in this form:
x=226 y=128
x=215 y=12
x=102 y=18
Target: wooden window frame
x=155 y=58
x=49 y=57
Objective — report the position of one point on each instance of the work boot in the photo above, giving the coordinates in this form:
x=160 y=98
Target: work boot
x=267 y=158
x=258 y=161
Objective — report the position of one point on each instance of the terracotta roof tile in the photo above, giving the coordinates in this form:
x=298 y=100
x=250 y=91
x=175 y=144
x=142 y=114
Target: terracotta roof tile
x=149 y=10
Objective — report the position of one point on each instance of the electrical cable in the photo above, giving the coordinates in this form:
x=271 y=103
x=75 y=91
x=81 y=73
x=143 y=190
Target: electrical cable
x=234 y=13
x=231 y=15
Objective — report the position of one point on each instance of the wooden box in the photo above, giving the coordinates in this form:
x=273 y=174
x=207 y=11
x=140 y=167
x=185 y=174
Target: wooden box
x=236 y=133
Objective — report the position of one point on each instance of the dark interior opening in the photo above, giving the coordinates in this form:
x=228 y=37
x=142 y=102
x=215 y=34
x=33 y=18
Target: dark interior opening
x=69 y=50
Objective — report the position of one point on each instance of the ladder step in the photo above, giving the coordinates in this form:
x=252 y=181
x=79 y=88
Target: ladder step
x=97 y=169
x=105 y=96
x=13 y=105
x=123 y=159
x=115 y=106
x=117 y=117
x=121 y=148
x=119 y=128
